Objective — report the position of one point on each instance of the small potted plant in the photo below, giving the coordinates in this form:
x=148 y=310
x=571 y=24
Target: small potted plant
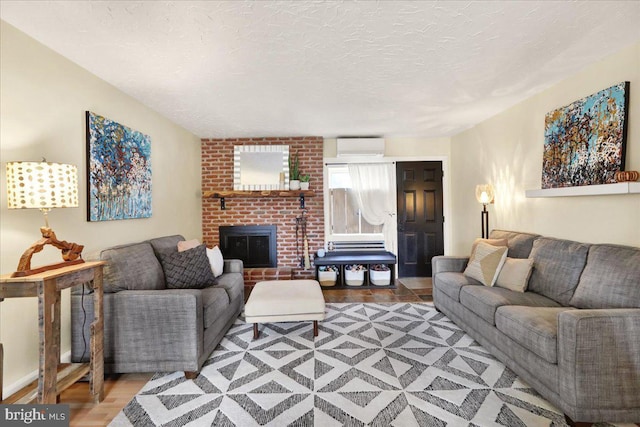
x=380 y=275
x=327 y=275
x=304 y=182
x=354 y=275
x=294 y=172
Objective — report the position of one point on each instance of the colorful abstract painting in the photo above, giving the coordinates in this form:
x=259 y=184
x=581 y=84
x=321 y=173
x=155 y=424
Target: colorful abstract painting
x=584 y=142
x=118 y=171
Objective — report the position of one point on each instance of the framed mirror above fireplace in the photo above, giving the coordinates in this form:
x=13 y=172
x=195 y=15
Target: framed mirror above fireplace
x=260 y=167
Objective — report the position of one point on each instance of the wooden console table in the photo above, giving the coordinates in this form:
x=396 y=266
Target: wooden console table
x=54 y=377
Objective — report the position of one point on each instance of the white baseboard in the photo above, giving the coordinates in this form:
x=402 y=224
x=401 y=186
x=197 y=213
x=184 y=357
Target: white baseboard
x=12 y=388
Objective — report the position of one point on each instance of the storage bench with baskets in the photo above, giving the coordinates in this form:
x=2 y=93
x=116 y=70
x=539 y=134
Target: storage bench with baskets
x=372 y=275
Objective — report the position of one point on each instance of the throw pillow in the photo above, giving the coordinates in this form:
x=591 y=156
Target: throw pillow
x=486 y=263
x=185 y=245
x=494 y=242
x=216 y=260
x=515 y=274
x=188 y=269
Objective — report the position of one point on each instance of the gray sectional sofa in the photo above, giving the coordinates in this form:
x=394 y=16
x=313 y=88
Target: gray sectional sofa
x=574 y=335
x=147 y=327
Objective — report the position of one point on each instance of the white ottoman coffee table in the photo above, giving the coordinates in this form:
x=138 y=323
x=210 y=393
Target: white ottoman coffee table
x=285 y=301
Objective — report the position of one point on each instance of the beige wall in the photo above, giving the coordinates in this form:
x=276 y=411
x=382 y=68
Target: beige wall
x=506 y=151
x=403 y=147
x=43 y=102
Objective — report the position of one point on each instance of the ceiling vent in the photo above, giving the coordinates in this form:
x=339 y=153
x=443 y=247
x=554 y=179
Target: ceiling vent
x=362 y=147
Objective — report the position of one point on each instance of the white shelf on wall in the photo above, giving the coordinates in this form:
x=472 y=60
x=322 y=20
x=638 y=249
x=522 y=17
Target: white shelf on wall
x=587 y=190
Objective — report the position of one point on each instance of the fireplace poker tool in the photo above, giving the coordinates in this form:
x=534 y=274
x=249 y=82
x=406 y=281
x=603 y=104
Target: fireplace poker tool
x=301 y=228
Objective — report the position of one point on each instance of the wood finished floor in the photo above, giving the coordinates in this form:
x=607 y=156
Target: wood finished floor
x=120 y=389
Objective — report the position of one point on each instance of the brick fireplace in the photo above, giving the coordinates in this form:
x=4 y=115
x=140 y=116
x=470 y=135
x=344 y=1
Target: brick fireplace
x=217 y=174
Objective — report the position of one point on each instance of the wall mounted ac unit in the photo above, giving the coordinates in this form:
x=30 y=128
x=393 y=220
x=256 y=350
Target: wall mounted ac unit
x=360 y=147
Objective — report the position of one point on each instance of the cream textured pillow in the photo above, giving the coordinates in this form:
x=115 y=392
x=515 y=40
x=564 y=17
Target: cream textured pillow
x=216 y=260
x=185 y=245
x=486 y=264
x=515 y=274
x=494 y=242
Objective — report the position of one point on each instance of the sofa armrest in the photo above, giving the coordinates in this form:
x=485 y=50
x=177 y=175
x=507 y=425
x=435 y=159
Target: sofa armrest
x=167 y=322
x=441 y=263
x=599 y=358
x=233 y=266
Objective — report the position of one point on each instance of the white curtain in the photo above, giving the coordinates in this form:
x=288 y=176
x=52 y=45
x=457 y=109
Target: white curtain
x=374 y=185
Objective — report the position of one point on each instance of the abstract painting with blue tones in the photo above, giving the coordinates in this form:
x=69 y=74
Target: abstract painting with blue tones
x=584 y=142
x=118 y=171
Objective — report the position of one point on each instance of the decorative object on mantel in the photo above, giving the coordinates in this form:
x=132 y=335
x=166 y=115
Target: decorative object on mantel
x=118 y=171
x=304 y=182
x=44 y=186
x=484 y=195
x=627 y=176
x=584 y=142
x=294 y=171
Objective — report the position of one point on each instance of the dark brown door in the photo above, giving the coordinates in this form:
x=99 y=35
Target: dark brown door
x=420 y=217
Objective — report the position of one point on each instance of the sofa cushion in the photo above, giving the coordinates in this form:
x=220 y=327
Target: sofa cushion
x=165 y=244
x=189 y=269
x=515 y=274
x=131 y=267
x=216 y=260
x=450 y=283
x=611 y=278
x=214 y=302
x=185 y=245
x=519 y=244
x=484 y=301
x=486 y=263
x=534 y=328
x=493 y=242
x=557 y=265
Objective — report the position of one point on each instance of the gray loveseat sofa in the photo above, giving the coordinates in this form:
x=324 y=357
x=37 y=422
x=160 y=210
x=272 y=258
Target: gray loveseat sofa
x=574 y=335
x=147 y=327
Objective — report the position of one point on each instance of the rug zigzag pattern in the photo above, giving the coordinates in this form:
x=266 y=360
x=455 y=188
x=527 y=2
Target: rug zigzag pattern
x=400 y=364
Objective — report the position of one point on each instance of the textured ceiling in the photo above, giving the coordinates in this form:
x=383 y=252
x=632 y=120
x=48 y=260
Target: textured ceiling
x=332 y=68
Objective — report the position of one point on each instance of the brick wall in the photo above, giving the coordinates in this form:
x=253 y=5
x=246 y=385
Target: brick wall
x=217 y=174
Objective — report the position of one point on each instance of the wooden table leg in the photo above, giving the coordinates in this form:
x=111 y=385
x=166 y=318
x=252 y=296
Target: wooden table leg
x=48 y=366
x=315 y=328
x=96 y=345
x=1 y=370
x=256 y=333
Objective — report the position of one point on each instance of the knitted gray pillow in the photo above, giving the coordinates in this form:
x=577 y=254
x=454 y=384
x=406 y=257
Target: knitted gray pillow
x=188 y=269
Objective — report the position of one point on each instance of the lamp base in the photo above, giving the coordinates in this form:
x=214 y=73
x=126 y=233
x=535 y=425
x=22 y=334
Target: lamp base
x=484 y=216
x=71 y=254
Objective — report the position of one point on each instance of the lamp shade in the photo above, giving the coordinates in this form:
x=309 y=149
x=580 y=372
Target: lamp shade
x=41 y=185
x=484 y=193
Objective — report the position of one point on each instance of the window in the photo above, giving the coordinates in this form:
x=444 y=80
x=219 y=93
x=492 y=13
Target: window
x=345 y=219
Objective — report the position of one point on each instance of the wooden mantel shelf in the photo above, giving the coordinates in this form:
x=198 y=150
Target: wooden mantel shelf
x=218 y=194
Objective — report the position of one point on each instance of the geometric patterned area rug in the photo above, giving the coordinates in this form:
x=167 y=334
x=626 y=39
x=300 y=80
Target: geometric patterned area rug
x=385 y=365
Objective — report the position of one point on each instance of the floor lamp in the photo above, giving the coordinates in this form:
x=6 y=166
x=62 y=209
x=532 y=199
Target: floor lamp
x=485 y=195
